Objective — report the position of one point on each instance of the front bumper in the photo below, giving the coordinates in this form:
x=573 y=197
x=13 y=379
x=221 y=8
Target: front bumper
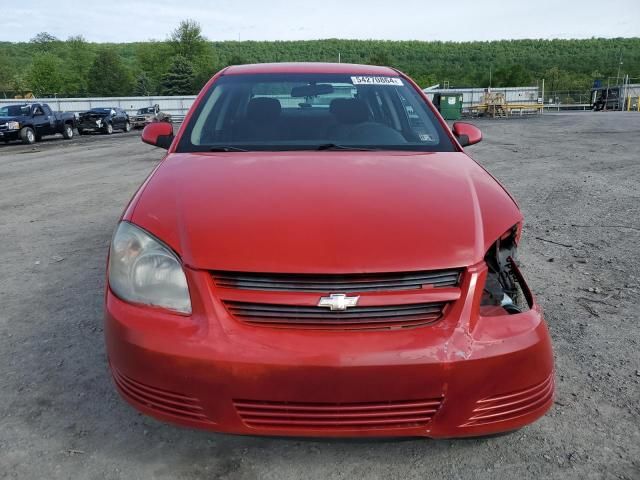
x=91 y=126
x=465 y=376
x=140 y=123
x=9 y=135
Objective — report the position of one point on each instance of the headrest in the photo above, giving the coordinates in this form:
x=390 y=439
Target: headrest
x=263 y=109
x=349 y=110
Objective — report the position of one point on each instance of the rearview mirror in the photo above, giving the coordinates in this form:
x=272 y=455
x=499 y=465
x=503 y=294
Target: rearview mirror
x=311 y=90
x=158 y=134
x=466 y=133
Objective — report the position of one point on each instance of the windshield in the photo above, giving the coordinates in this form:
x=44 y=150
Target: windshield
x=311 y=111
x=146 y=110
x=14 y=110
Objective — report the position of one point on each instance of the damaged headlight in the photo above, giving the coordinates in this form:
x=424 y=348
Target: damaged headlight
x=99 y=122
x=503 y=287
x=143 y=270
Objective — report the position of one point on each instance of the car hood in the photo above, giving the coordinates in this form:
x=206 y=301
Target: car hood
x=94 y=114
x=324 y=212
x=18 y=118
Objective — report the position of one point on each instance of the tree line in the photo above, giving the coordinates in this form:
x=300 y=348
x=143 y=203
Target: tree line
x=181 y=64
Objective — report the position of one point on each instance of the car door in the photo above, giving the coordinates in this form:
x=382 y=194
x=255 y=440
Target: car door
x=49 y=115
x=123 y=116
x=115 y=121
x=40 y=121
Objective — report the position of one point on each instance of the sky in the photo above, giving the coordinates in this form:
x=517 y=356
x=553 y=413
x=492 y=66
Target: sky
x=461 y=20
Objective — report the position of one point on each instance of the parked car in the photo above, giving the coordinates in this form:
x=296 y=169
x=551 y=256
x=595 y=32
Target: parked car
x=30 y=122
x=104 y=120
x=147 y=115
x=310 y=259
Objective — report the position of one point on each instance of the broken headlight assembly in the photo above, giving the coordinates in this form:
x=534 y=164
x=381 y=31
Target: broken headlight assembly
x=505 y=291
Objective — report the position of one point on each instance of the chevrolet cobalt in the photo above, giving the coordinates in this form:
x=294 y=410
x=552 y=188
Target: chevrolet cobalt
x=316 y=255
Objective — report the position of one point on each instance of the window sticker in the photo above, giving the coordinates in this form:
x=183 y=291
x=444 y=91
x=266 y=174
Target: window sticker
x=391 y=81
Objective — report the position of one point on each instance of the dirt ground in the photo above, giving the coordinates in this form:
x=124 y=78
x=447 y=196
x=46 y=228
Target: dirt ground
x=577 y=179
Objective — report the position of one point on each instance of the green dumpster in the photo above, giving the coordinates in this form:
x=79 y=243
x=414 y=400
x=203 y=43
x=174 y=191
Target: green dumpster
x=451 y=105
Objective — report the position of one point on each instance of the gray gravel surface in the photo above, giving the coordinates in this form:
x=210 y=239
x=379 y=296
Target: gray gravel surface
x=577 y=179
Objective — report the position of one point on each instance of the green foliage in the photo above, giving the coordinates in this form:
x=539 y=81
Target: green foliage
x=108 y=77
x=86 y=69
x=187 y=40
x=153 y=58
x=45 y=75
x=43 y=42
x=179 y=79
x=143 y=86
x=77 y=57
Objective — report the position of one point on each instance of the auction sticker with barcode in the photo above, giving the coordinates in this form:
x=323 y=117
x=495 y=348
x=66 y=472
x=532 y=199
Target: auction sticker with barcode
x=392 y=81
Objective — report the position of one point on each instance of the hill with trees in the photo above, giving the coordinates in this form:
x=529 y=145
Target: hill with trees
x=182 y=63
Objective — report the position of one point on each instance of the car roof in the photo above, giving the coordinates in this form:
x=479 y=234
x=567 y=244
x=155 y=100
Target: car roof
x=310 y=67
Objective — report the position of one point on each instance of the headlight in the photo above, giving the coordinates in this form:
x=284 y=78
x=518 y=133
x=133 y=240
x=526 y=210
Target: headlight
x=143 y=270
x=99 y=122
x=13 y=125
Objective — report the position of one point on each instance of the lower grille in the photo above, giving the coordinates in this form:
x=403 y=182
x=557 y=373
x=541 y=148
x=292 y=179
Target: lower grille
x=335 y=416
x=327 y=283
x=511 y=405
x=379 y=317
x=162 y=401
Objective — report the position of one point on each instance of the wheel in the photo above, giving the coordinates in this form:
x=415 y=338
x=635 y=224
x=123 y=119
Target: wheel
x=68 y=131
x=108 y=129
x=28 y=136
x=127 y=127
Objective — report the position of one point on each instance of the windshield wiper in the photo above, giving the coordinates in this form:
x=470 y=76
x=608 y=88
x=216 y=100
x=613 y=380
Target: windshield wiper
x=227 y=149
x=335 y=146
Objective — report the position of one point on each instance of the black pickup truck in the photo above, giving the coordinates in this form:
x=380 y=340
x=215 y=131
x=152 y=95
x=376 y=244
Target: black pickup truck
x=30 y=122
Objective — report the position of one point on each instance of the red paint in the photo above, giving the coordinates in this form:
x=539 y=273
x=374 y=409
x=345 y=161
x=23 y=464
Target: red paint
x=328 y=213
x=471 y=132
x=152 y=132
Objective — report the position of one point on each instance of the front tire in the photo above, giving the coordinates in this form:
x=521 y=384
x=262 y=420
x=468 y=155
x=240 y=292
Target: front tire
x=28 y=136
x=108 y=129
x=127 y=127
x=67 y=133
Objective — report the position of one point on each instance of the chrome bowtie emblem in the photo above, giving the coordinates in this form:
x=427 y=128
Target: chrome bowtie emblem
x=338 y=301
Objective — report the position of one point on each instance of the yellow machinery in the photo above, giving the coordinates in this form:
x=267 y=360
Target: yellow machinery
x=495 y=104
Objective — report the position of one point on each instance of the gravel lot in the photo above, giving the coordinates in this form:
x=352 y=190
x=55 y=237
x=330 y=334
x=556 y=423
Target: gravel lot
x=577 y=178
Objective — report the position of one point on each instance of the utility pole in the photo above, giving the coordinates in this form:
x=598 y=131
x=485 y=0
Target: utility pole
x=339 y=59
x=619 y=65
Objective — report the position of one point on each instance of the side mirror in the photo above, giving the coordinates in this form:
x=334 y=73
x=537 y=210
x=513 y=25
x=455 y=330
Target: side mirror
x=466 y=133
x=158 y=134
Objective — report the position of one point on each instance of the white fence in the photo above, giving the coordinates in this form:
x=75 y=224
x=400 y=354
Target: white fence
x=177 y=107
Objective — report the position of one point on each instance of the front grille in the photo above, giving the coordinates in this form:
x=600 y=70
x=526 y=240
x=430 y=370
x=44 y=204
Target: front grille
x=337 y=416
x=162 y=401
x=337 y=283
x=378 y=317
x=512 y=405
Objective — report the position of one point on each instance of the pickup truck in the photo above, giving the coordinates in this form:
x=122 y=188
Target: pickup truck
x=147 y=115
x=30 y=122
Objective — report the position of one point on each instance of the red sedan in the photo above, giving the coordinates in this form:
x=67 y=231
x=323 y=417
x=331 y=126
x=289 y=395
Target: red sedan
x=316 y=255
